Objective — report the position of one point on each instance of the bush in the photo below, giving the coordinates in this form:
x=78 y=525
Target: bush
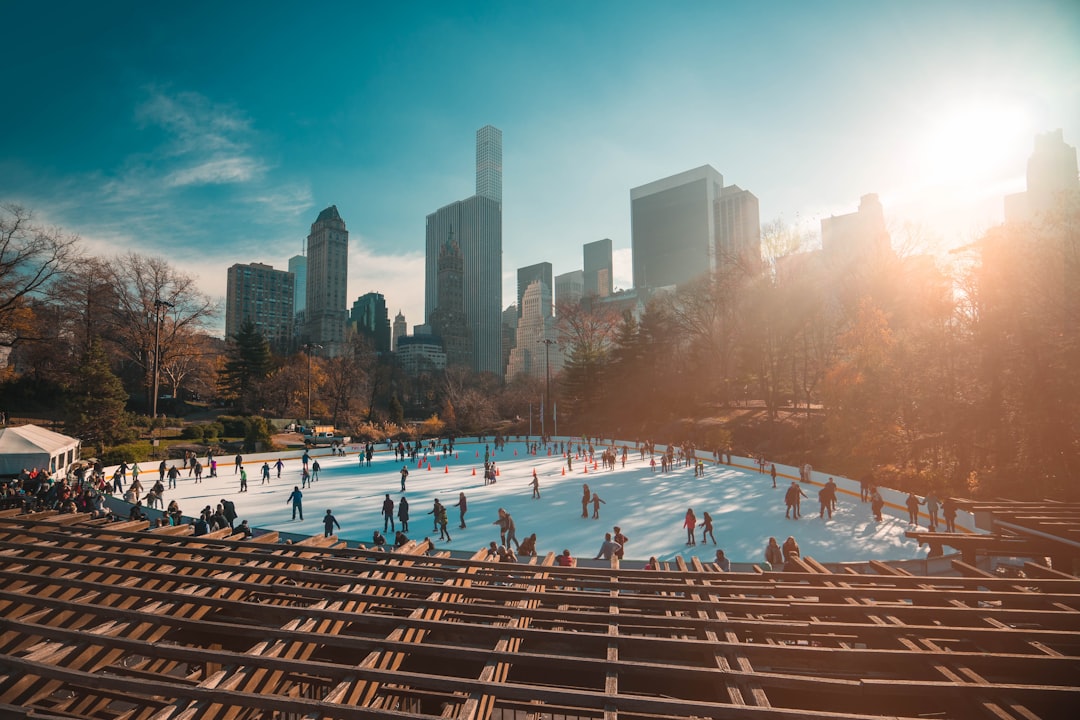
x=232 y=425
x=214 y=430
x=129 y=452
x=192 y=432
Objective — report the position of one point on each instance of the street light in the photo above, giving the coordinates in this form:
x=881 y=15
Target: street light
x=159 y=305
x=548 y=342
x=309 y=347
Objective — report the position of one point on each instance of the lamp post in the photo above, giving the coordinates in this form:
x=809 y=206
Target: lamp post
x=159 y=305
x=548 y=342
x=309 y=347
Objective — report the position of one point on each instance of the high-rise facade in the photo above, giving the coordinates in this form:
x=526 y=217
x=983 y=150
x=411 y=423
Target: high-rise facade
x=688 y=224
x=401 y=329
x=448 y=319
x=739 y=233
x=856 y=236
x=673 y=228
x=371 y=319
x=569 y=288
x=1051 y=177
x=298 y=267
x=536 y=335
x=489 y=163
x=328 y=261
x=540 y=272
x=597 y=276
x=259 y=294
x=476 y=223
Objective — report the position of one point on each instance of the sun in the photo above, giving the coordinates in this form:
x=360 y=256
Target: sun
x=975 y=143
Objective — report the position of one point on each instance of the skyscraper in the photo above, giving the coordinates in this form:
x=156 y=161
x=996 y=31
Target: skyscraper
x=371 y=319
x=598 y=269
x=530 y=274
x=477 y=225
x=535 y=326
x=400 y=330
x=261 y=295
x=855 y=236
x=673 y=227
x=1051 y=176
x=569 y=287
x=740 y=229
x=448 y=320
x=298 y=267
x=489 y=163
x=328 y=260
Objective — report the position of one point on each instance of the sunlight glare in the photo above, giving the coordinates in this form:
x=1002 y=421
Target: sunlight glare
x=974 y=144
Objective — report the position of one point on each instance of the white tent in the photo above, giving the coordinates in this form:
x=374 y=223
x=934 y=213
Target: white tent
x=30 y=446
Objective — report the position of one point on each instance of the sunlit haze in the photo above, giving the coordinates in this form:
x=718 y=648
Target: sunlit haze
x=213 y=135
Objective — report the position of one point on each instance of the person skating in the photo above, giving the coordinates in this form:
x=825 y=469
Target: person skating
x=621 y=539
x=279 y=465
x=792 y=499
x=690 y=523
x=329 y=522
x=403 y=513
x=824 y=502
x=876 y=504
x=585 y=499
x=243 y=480
x=912 y=504
x=265 y=473
x=388 y=513
x=296 y=500
x=434 y=513
x=535 y=486
x=444 y=534
x=315 y=468
x=772 y=472
x=462 y=505
x=596 y=505
x=707 y=528
x=949 y=513
x=404 y=475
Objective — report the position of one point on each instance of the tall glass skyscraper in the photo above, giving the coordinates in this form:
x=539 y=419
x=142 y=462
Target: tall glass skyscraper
x=489 y=163
x=598 y=268
x=476 y=223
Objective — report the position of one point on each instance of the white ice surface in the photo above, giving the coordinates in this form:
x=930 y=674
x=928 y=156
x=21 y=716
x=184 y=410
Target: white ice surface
x=650 y=507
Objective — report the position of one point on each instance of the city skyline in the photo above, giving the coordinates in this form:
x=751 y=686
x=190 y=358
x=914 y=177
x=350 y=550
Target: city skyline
x=212 y=137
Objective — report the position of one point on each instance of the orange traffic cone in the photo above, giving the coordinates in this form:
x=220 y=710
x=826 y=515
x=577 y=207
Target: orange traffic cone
x=455 y=456
x=477 y=453
x=498 y=472
x=429 y=467
x=515 y=453
x=446 y=469
x=564 y=472
x=586 y=469
x=474 y=472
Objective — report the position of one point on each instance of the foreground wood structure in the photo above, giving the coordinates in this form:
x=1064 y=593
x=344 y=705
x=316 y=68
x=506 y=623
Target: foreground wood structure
x=110 y=620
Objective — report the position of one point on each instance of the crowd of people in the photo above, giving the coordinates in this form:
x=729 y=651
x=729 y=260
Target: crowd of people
x=88 y=487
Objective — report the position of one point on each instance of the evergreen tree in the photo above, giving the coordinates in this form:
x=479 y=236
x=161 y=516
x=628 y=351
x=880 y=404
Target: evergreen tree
x=248 y=363
x=96 y=405
x=396 y=411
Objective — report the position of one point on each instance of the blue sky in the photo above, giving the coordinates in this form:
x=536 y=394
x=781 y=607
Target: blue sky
x=214 y=133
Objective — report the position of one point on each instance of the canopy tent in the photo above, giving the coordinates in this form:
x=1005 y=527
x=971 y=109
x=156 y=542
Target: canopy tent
x=30 y=446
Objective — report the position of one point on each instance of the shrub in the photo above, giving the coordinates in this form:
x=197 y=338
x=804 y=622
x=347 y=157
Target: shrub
x=232 y=425
x=214 y=430
x=192 y=432
x=128 y=452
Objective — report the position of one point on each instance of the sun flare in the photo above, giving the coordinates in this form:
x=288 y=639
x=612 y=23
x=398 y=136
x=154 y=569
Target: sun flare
x=974 y=143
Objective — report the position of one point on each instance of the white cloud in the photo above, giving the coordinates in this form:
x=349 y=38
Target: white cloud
x=216 y=172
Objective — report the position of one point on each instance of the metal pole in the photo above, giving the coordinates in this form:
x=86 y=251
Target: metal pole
x=159 y=305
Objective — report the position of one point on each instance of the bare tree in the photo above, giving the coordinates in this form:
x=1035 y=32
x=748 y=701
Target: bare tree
x=30 y=256
x=148 y=288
